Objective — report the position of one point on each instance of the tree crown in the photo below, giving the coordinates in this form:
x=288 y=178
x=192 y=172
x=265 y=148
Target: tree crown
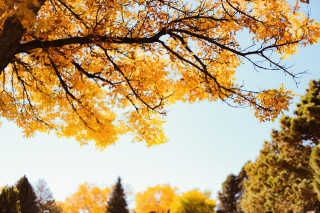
x=68 y=65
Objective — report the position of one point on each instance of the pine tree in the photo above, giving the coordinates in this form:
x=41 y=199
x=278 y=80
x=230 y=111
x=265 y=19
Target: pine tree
x=9 y=200
x=231 y=194
x=242 y=176
x=117 y=202
x=315 y=165
x=306 y=123
x=281 y=178
x=27 y=196
x=227 y=198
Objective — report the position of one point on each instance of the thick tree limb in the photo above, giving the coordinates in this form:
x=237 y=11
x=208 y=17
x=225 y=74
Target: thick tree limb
x=11 y=36
x=23 y=48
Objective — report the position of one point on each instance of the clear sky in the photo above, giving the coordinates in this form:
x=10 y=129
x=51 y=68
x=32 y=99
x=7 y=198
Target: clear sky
x=207 y=142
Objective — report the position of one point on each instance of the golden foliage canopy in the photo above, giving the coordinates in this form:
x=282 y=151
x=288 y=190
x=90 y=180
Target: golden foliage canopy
x=155 y=199
x=88 y=198
x=193 y=201
x=95 y=69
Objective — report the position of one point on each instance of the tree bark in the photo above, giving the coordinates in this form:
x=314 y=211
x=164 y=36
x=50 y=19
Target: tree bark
x=11 y=36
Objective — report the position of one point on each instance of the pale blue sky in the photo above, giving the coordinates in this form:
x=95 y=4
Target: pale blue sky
x=207 y=141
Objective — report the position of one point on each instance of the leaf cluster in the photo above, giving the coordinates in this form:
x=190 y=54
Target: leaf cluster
x=96 y=69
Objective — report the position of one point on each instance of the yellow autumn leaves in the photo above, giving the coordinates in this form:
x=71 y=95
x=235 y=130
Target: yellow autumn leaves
x=160 y=198
x=88 y=197
x=96 y=69
x=155 y=199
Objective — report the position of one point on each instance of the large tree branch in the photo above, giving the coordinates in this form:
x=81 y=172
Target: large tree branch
x=25 y=47
x=11 y=36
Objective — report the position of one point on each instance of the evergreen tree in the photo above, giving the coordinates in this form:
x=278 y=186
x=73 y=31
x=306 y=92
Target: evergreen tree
x=9 y=200
x=228 y=196
x=242 y=176
x=306 y=124
x=27 y=196
x=231 y=194
x=315 y=164
x=281 y=179
x=117 y=202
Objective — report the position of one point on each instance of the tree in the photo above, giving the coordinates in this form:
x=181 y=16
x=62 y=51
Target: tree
x=67 y=65
x=315 y=165
x=117 y=202
x=232 y=192
x=242 y=176
x=45 y=200
x=9 y=200
x=156 y=199
x=281 y=178
x=88 y=198
x=52 y=206
x=27 y=196
x=193 y=201
x=229 y=197
x=305 y=125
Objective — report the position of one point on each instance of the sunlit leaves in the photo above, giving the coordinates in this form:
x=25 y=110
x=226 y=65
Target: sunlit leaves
x=88 y=198
x=193 y=201
x=96 y=69
x=155 y=199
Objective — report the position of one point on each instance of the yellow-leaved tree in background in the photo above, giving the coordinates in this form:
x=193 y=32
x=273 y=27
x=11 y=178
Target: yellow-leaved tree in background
x=88 y=198
x=68 y=65
x=193 y=201
x=156 y=199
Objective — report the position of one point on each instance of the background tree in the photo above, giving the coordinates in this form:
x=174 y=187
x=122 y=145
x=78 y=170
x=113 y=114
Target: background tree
x=88 y=198
x=242 y=176
x=156 y=199
x=27 y=196
x=59 y=60
x=193 y=201
x=117 y=202
x=228 y=196
x=45 y=200
x=53 y=206
x=315 y=165
x=9 y=200
x=281 y=178
x=305 y=125
x=232 y=192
